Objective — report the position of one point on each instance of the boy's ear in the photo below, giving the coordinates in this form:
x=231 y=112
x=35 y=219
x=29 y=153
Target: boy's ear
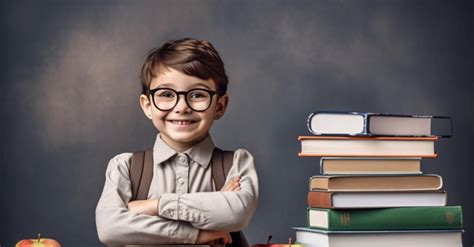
x=146 y=105
x=221 y=106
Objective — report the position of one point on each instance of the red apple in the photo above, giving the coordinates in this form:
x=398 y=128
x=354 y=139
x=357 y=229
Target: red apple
x=289 y=244
x=39 y=242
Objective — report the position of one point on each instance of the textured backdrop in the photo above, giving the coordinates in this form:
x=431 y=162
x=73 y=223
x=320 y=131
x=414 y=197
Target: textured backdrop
x=69 y=95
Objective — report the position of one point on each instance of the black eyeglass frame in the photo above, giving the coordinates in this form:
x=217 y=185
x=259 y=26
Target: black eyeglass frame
x=152 y=92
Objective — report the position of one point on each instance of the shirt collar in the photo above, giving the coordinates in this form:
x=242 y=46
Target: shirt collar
x=201 y=152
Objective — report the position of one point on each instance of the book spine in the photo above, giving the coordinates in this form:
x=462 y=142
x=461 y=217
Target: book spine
x=416 y=218
x=363 y=114
x=308 y=122
x=322 y=160
x=319 y=199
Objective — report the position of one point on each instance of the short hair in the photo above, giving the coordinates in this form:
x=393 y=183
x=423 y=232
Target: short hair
x=192 y=57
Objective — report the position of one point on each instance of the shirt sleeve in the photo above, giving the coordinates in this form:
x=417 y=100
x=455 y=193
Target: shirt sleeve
x=116 y=225
x=230 y=210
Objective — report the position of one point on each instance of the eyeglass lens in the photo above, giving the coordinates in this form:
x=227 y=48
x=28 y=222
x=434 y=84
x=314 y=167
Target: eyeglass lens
x=197 y=99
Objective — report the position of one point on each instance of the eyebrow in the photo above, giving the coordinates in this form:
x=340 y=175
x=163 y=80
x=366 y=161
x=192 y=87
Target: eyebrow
x=170 y=85
x=203 y=85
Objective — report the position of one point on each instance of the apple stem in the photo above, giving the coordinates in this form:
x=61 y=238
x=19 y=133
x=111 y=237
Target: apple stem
x=289 y=242
x=39 y=237
x=269 y=238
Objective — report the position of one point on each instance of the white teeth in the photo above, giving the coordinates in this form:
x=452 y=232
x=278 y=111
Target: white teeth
x=182 y=122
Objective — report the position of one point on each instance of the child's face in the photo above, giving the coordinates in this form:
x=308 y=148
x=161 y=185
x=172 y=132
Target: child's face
x=182 y=126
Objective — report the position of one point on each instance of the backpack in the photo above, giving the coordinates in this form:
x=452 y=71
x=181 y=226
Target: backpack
x=141 y=173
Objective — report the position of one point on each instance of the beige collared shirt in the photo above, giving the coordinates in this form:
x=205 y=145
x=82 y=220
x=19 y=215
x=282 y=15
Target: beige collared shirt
x=188 y=197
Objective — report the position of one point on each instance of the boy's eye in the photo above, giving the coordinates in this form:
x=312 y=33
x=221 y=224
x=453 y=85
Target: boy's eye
x=198 y=95
x=165 y=94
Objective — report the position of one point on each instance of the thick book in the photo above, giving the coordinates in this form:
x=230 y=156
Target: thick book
x=337 y=146
x=175 y=245
x=379 y=124
x=365 y=165
x=364 y=183
x=337 y=200
x=426 y=238
x=411 y=218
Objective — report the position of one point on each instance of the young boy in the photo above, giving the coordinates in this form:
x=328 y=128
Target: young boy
x=183 y=91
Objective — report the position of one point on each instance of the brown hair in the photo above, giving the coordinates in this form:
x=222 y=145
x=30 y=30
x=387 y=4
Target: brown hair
x=192 y=57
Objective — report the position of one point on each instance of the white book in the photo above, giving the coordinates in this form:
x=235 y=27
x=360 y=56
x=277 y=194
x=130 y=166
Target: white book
x=432 y=238
x=334 y=146
x=323 y=199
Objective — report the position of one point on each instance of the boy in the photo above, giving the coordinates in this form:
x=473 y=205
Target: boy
x=183 y=91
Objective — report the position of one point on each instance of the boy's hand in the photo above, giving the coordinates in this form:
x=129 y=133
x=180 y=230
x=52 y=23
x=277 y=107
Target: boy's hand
x=213 y=237
x=233 y=185
x=149 y=207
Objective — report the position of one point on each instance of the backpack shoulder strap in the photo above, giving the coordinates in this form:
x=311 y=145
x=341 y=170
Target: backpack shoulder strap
x=221 y=163
x=141 y=173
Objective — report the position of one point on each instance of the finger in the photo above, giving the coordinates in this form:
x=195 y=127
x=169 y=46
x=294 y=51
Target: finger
x=231 y=184
x=235 y=186
x=213 y=242
x=226 y=186
x=224 y=239
x=228 y=239
x=234 y=179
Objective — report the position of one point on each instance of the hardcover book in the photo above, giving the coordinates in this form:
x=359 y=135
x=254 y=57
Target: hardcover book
x=379 y=124
x=365 y=183
x=411 y=218
x=175 y=245
x=353 y=165
x=367 y=146
x=335 y=200
x=432 y=238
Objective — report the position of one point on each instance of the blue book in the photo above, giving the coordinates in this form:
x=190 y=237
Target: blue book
x=377 y=124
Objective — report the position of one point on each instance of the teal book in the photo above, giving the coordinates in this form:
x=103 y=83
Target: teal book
x=411 y=218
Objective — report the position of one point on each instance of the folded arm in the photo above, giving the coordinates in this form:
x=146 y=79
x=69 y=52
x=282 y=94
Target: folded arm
x=220 y=210
x=150 y=207
x=116 y=224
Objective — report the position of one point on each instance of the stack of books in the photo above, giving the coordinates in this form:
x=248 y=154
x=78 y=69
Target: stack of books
x=371 y=191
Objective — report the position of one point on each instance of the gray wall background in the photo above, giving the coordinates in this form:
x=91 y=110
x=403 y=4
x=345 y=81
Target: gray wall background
x=69 y=95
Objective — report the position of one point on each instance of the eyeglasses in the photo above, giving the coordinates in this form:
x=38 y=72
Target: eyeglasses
x=166 y=99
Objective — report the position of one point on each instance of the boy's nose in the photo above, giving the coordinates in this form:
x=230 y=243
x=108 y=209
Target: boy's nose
x=182 y=106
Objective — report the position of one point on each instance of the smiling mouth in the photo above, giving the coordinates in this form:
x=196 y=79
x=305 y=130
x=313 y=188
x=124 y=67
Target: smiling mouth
x=182 y=122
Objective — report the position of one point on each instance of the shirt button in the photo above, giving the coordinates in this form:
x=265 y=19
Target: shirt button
x=182 y=159
x=181 y=181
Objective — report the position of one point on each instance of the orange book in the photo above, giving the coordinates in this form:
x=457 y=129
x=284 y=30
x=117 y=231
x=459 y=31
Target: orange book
x=337 y=146
x=366 y=165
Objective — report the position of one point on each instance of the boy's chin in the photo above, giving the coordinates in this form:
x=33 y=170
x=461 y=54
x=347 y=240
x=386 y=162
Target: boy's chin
x=186 y=138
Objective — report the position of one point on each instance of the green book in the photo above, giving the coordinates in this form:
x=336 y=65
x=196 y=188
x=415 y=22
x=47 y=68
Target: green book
x=412 y=218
